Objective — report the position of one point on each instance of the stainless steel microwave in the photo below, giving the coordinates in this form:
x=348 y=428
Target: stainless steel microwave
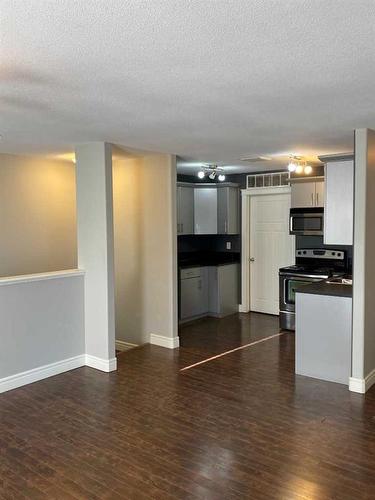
x=306 y=221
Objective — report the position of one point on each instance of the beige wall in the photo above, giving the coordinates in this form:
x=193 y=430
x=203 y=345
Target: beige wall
x=38 y=233
x=145 y=248
x=363 y=354
x=37 y=215
x=128 y=250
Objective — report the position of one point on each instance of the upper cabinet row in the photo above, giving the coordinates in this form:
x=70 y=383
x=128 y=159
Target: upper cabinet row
x=335 y=194
x=207 y=209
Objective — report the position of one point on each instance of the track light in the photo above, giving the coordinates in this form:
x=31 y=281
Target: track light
x=201 y=174
x=221 y=177
x=212 y=175
x=308 y=169
x=292 y=167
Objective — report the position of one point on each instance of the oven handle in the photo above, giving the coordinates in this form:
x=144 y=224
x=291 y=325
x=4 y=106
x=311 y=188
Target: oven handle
x=318 y=278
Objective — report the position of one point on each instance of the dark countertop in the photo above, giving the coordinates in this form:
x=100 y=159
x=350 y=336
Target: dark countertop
x=198 y=259
x=323 y=288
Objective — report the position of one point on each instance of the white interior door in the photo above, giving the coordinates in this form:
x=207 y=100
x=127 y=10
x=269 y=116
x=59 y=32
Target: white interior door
x=271 y=247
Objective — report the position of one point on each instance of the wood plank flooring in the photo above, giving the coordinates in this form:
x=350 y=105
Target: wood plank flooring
x=242 y=426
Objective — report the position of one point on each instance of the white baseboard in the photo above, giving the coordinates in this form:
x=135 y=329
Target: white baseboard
x=243 y=309
x=362 y=385
x=124 y=346
x=169 y=342
x=40 y=373
x=104 y=365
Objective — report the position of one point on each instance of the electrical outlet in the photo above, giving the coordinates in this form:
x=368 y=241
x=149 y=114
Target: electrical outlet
x=229 y=245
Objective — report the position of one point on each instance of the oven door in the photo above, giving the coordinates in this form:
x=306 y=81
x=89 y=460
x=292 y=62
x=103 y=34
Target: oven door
x=306 y=223
x=288 y=285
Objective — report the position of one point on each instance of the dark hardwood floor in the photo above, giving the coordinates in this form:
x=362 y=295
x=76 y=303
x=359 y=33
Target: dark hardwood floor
x=242 y=426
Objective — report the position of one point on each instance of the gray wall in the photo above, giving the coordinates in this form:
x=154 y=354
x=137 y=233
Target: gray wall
x=41 y=322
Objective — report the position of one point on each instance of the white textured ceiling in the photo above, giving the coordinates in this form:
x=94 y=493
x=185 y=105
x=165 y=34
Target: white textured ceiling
x=210 y=80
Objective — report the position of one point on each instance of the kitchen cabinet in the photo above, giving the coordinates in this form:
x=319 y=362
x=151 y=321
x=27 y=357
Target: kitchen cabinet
x=193 y=292
x=205 y=210
x=185 y=209
x=227 y=210
x=323 y=337
x=307 y=194
x=209 y=291
x=339 y=193
x=223 y=295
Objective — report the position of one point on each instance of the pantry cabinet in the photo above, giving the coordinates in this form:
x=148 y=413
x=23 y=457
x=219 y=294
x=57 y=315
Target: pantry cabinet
x=339 y=200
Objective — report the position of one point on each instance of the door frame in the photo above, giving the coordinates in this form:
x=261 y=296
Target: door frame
x=246 y=195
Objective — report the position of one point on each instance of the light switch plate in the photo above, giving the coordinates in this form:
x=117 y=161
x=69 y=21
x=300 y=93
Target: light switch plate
x=229 y=245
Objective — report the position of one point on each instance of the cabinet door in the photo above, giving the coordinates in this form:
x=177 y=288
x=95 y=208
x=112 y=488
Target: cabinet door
x=319 y=194
x=338 y=212
x=205 y=210
x=228 y=289
x=186 y=210
x=303 y=194
x=227 y=210
x=194 y=296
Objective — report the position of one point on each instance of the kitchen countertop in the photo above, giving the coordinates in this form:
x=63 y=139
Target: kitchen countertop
x=198 y=259
x=323 y=288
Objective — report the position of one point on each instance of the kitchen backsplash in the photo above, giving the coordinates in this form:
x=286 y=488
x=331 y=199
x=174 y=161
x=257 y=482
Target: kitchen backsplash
x=209 y=243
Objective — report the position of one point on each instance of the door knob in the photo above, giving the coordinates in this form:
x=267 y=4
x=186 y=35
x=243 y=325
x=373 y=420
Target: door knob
x=252 y=259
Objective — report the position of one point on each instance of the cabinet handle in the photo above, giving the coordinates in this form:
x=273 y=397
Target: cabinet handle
x=225 y=227
x=317 y=198
x=182 y=227
x=200 y=285
x=312 y=199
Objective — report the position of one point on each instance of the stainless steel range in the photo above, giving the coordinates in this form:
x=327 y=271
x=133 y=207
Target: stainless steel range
x=311 y=265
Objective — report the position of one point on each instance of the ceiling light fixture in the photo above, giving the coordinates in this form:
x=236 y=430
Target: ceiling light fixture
x=213 y=172
x=308 y=169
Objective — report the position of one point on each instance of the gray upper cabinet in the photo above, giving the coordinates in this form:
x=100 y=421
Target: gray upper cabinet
x=228 y=210
x=307 y=194
x=185 y=209
x=205 y=210
x=338 y=213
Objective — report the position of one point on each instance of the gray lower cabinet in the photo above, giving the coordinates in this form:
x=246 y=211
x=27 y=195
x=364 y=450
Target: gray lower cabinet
x=185 y=209
x=323 y=337
x=223 y=297
x=193 y=292
x=228 y=210
x=212 y=291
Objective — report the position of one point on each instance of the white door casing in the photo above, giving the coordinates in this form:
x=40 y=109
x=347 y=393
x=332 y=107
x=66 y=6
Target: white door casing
x=266 y=239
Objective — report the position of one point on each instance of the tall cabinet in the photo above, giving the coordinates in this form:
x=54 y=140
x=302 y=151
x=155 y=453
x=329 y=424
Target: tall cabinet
x=339 y=200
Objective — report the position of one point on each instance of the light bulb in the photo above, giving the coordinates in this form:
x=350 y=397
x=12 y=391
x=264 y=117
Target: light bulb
x=299 y=169
x=201 y=174
x=221 y=177
x=292 y=167
x=308 y=169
